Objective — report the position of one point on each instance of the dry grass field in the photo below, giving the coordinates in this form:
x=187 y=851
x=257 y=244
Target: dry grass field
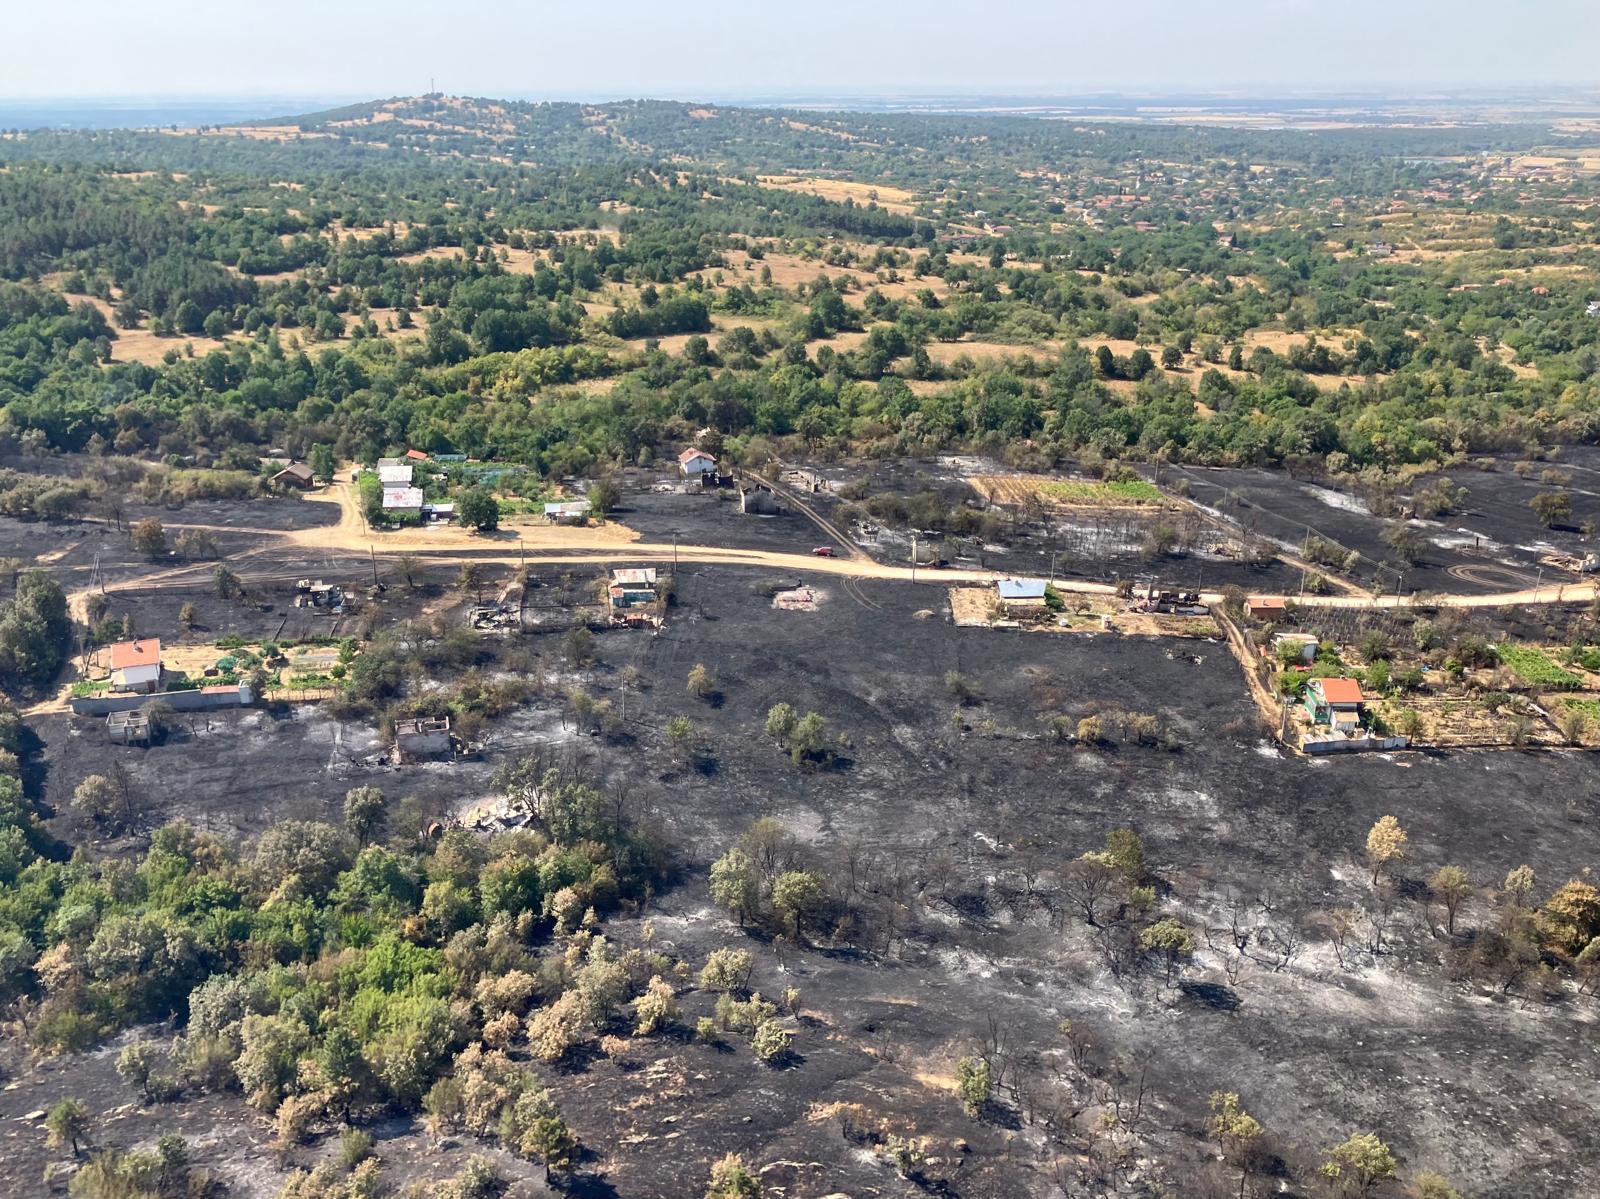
x=1016 y=490
x=891 y=199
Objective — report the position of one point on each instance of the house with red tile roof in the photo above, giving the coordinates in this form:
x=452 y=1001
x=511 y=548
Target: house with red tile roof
x=1336 y=703
x=136 y=665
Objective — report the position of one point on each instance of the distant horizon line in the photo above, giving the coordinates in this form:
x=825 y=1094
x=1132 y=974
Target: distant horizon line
x=1412 y=90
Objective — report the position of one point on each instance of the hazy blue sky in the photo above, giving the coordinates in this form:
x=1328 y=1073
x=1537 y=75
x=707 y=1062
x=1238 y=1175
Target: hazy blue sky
x=722 y=47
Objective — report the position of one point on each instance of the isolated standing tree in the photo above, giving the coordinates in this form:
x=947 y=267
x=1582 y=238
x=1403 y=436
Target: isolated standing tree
x=1386 y=844
x=733 y=884
x=681 y=736
x=364 y=811
x=808 y=738
x=780 y=722
x=149 y=538
x=67 y=1125
x=796 y=894
x=1237 y=1132
x=701 y=684
x=1552 y=508
x=973 y=1084
x=95 y=799
x=1429 y=1185
x=1360 y=1163
x=1451 y=887
x=1170 y=942
x=478 y=509
x=1519 y=885
x=731 y=1179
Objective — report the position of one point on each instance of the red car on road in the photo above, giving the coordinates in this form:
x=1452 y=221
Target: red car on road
x=823 y=551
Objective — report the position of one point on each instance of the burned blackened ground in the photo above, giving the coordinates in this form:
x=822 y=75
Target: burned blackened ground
x=1492 y=543
x=966 y=814
x=1388 y=1044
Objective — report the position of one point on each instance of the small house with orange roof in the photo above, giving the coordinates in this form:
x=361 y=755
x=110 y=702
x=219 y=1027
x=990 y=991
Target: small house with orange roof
x=136 y=665
x=1336 y=703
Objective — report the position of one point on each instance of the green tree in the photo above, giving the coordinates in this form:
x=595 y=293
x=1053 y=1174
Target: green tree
x=727 y=970
x=1429 y=1185
x=67 y=1125
x=973 y=1084
x=771 y=1041
x=1451 y=886
x=701 y=684
x=681 y=737
x=731 y=1179
x=1125 y=851
x=478 y=509
x=1237 y=1132
x=149 y=538
x=733 y=884
x=780 y=722
x=322 y=462
x=808 y=738
x=1359 y=1164
x=1386 y=844
x=1170 y=942
x=364 y=811
x=96 y=798
x=1552 y=508
x=797 y=896
x=604 y=496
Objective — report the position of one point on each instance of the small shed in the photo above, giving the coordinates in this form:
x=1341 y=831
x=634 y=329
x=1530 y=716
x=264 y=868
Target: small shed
x=424 y=737
x=129 y=728
x=296 y=474
x=640 y=575
x=1020 y=594
x=566 y=510
x=1266 y=607
x=1300 y=647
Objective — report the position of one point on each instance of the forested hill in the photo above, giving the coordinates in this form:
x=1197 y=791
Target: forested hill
x=910 y=147
x=575 y=286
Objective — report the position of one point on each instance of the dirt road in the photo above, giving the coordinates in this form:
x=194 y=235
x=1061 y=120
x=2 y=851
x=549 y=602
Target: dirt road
x=533 y=541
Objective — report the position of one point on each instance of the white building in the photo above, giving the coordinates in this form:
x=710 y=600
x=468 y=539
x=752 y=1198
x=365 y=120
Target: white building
x=394 y=472
x=402 y=501
x=136 y=665
x=696 y=462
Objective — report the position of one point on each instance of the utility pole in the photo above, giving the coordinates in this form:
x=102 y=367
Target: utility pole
x=913 y=555
x=522 y=553
x=1052 y=566
x=373 y=551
